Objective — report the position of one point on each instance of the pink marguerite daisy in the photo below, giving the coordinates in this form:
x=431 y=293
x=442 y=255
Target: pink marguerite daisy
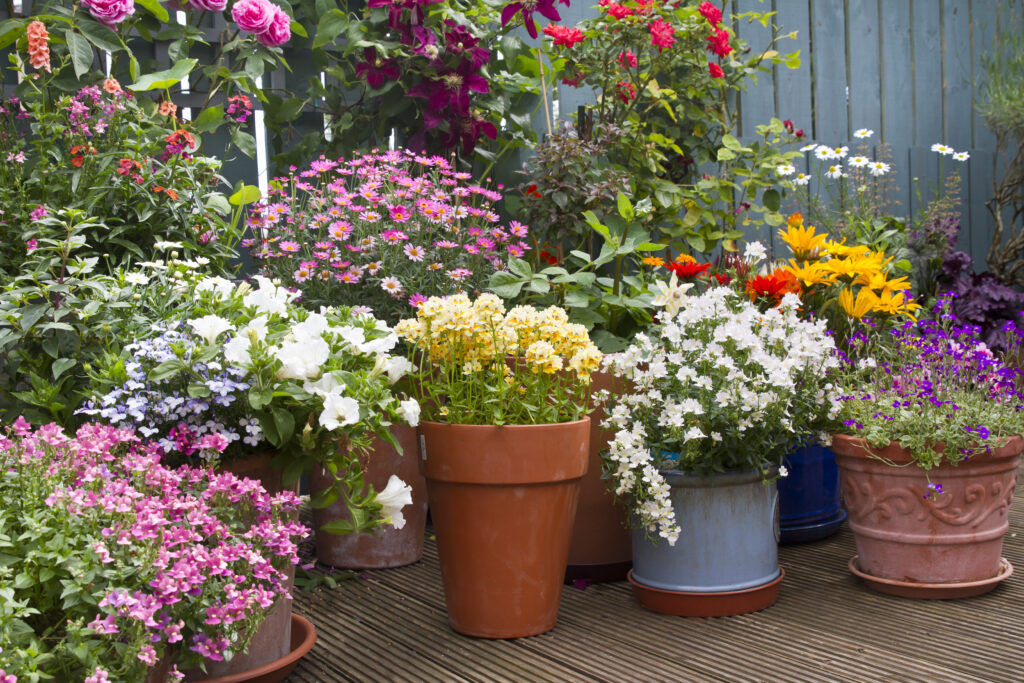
x=414 y=253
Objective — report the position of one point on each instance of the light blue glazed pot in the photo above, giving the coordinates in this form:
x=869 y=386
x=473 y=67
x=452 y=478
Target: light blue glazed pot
x=728 y=540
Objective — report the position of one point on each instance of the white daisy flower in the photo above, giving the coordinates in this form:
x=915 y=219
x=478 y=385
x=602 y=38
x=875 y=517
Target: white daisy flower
x=961 y=156
x=808 y=148
x=802 y=179
x=785 y=169
x=834 y=172
x=391 y=285
x=823 y=152
x=863 y=133
x=878 y=168
x=942 y=149
x=858 y=161
x=839 y=152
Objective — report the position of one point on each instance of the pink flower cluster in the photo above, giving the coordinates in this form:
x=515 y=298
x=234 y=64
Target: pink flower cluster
x=270 y=23
x=206 y=548
x=386 y=229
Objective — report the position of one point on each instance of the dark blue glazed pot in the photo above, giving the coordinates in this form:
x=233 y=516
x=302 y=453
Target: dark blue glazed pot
x=809 y=497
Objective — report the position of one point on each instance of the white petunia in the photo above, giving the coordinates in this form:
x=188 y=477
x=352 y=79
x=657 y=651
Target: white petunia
x=858 y=161
x=863 y=133
x=269 y=298
x=397 y=367
x=236 y=351
x=961 y=156
x=301 y=360
x=339 y=411
x=410 y=411
x=945 y=150
x=209 y=327
x=395 y=496
x=221 y=287
x=785 y=169
x=328 y=384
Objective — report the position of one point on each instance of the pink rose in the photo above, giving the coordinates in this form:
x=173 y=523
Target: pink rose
x=279 y=32
x=253 y=16
x=209 y=5
x=110 y=12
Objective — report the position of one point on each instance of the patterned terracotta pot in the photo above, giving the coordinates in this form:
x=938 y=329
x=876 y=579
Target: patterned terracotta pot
x=906 y=539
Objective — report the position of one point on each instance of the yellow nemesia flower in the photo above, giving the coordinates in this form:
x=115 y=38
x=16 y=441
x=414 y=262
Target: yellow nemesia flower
x=809 y=274
x=859 y=307
x=805 y=244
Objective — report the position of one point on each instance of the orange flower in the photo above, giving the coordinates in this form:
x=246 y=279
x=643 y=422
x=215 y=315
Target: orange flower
x=38 y=46
x=653 y=261
x=171 y=193
x=774 y=286
x=158 y=188
x=168 y=109
x=111 y=85
x=795 y=219
x=685 y=258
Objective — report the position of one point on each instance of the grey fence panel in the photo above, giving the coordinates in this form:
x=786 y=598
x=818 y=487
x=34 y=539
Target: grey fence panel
x=865 y=66
x=828 y=71
x=897 y=95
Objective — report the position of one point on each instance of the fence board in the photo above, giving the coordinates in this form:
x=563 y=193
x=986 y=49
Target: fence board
x=793 y=86
x=865 y=65
x=828 y=71
x=757 y=105
x=984 y=17
x=897 y=96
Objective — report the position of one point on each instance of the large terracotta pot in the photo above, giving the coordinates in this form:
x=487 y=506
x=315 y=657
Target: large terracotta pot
x=943 y=545
x=502 y=500
x=273 y=639
x=602 y=546
x=388 y=547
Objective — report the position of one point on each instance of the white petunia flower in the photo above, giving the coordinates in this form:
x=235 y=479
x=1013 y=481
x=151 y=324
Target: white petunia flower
x=410 y=411
x=395 y=496
x=209 y=327
x=301 y=360
x=338 y=411
x=328 y=384
x=397 y=367
x=863 y=133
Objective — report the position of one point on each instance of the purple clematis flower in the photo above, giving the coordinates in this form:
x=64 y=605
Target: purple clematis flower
x=527 y=7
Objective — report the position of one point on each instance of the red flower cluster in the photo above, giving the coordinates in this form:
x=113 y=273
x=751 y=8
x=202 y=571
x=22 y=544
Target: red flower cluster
x=551 y=259
x=793 y=130
x=625 y=91
x=627 y=58
x=661 y=34
x=563 y=35
x=617 y=11
x=688 y=270
x=774 y=286
x=531 y=191
x=711 y=13
x=715 y=70
x=127 y=167
x=718 y=43
x=78 y=153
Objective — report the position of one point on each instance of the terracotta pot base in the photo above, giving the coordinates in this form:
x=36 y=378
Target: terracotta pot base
x=598 y=573
x=692 y=604
x=303 y=639
x=933 y=591
x=807 y=533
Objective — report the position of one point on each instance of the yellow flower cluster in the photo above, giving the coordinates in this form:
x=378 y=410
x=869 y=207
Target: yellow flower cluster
x=474 y=334
x=860 y=275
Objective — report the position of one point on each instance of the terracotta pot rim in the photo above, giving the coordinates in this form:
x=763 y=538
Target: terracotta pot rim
x=858 y=447
x=517 y=427
x=303 y=639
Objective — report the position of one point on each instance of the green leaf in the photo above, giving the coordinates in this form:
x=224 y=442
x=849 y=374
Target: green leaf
x=10 y=31
x=540 y=284
x=210 y=119
x=284 y=422
x=331 y=25
x=506 y=285
x=245 y=142
x=772 y=200
x=904 y=264
x=725 y=154
x=61 y=365
x=99 y=35
x=156 y=9
x=624 y=207
x=165 y=79
x=520 y=267
x=133 y=67
x=731 y=142
x=81 y=53
x=247 y=194
x=298 y=29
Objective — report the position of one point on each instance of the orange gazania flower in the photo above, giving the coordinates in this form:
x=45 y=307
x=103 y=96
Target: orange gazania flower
x=774 y=286
x=158 y=188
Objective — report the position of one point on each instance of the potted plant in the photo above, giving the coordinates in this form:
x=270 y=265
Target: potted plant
x=125 y=565
x=928 y=443
x=383 y=230
x=720 y=392
x=504 y=444
x=285 y=389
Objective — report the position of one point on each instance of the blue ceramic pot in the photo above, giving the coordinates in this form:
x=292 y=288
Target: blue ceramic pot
x=809 y=498
x=728 y=540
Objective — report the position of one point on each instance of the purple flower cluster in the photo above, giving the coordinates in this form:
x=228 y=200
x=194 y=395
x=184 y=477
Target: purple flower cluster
x=184 y=555
x=90 y=113
x=181 y=414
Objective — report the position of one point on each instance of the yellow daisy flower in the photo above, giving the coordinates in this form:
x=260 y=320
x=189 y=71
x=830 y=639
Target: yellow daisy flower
x=805 y=244
x=860 y=306
x=809 y=274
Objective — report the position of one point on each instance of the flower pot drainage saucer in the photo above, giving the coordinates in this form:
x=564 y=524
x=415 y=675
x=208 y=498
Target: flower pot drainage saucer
x=303 y=639
x=806 y=533
x=723 y=604
x=932 y=591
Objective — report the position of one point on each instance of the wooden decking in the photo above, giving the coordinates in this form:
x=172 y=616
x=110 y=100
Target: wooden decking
x=390 y=625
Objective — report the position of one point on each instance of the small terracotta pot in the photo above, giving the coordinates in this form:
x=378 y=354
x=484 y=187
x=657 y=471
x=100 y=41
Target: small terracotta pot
x=602 y=545
x=388 y=547
x=502 y=500
x=902 y=536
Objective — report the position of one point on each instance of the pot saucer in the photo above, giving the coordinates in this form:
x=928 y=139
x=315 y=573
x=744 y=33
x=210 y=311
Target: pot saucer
x=693 y=604
x=805 y=533
x=303 y=639
x=932 y=591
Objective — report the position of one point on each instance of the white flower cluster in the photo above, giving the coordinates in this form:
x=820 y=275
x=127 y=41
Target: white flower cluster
x=722 y=386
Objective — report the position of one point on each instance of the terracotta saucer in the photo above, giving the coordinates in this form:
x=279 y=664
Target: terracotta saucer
x=932 y=591
x=303 y=639
x=723 y=604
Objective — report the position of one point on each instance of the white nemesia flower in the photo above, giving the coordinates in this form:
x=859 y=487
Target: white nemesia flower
x=802 y=179
x=945 y=150
x=783 y=472
x=338 y=411
x=409 y=409
x=962 y=156
x=754 y=252
x=785 y=169
x=209 y=327
x=395 y=496
x=858 y=161
x=863 y=133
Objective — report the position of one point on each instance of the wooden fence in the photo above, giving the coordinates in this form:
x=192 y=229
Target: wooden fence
x=907 y=69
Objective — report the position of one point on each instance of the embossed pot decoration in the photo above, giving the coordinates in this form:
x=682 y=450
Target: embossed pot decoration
x=947 y=545
x=503 y=500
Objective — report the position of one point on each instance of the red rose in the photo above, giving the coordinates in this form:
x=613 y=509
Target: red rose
x=718 y=43
x=711 y=13
x=715 y=70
